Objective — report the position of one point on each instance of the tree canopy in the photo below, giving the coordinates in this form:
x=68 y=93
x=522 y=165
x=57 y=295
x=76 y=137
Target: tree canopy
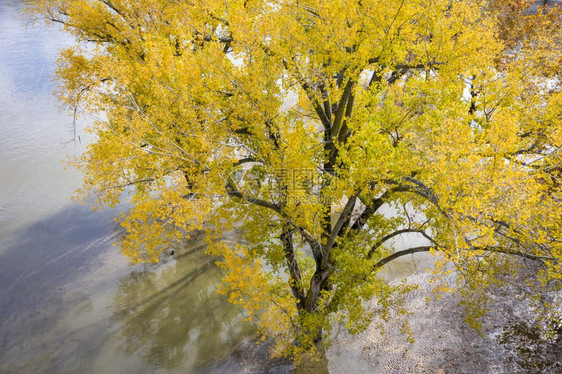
x=323 y=130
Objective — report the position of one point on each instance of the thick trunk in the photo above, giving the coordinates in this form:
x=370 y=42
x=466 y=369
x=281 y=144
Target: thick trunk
x=318 y=283
x=295 y=277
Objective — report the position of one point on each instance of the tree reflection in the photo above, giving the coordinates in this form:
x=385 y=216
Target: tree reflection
x=172 y=316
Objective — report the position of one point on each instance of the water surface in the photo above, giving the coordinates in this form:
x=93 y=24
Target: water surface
x=69 y=302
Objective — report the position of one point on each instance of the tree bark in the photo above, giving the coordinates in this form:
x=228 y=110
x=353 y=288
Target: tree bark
x=295 y=277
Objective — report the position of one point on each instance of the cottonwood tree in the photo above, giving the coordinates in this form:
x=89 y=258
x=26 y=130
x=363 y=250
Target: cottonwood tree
x=303 y=123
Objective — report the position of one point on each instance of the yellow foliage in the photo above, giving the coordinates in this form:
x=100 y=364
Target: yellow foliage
x=295 y=121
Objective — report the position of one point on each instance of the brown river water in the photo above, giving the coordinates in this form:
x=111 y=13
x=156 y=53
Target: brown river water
x=69 y=302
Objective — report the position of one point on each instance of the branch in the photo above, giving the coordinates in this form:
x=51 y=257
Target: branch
x=341 y=220
x=345 y=132
x=419 y=188
x=213 y=38
x=514 y=253
x=341 y=107
x=398 y=254
x=246 y=160
x=374 y=206
x=112 y=7
x=295 y=282
x=409 y=251
x=368 y=212
x=399 y=70
x=326 y=122
x=232 y=191
x=315 y=246
x=392 y=235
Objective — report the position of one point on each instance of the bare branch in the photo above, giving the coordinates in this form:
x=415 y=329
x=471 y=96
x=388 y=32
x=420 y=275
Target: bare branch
x=399 y=254
x=392 y=235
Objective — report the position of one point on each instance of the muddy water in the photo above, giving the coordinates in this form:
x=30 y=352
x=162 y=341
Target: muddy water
x=69 y=302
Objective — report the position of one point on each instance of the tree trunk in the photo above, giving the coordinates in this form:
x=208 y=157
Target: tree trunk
x=316 y=363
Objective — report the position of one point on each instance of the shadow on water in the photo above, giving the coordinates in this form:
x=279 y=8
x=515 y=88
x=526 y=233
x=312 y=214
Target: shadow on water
x=70 y=303
x=39 y=264
x=49 y=254
x=173 y=317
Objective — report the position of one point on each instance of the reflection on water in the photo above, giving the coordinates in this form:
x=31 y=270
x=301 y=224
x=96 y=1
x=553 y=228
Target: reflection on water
x=173 y=316
x=33 y=132
x=69 y=302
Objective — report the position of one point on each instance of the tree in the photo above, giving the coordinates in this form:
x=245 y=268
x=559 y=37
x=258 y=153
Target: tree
x=297 y=121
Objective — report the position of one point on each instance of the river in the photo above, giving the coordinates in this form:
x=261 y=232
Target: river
x=69 y=302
